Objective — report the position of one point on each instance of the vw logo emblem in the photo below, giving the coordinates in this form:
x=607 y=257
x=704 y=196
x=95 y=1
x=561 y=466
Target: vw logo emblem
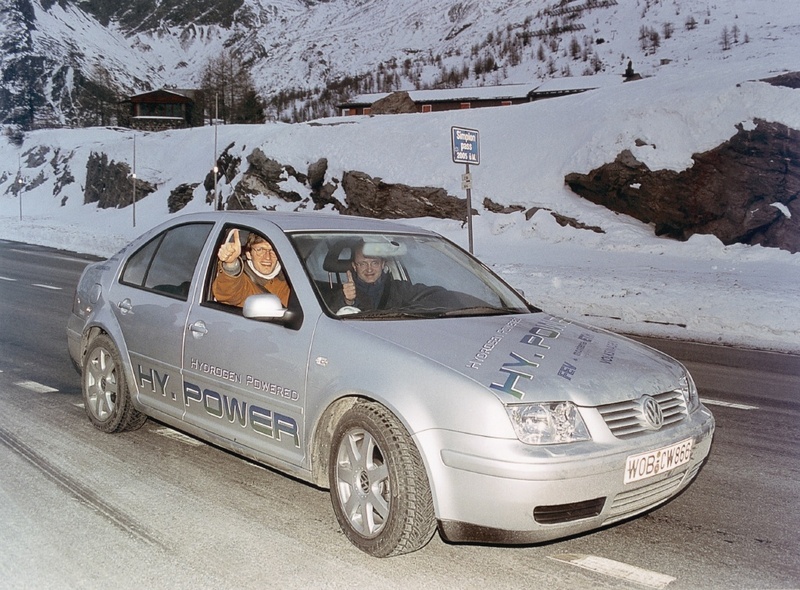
x=653 y=417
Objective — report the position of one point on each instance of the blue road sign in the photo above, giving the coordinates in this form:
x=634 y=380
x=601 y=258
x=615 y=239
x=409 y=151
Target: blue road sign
x=466 y=146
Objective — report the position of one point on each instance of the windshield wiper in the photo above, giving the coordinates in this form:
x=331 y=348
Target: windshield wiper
x=393 y=315
x=479 y=310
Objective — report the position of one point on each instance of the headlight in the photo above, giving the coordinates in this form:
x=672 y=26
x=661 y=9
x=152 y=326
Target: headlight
x=548 y=423
x=689 y=391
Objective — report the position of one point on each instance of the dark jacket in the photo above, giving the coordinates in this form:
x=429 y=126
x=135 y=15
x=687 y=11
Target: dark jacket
x=386 y=293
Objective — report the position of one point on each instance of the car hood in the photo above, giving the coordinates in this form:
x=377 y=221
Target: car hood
x=537 y=357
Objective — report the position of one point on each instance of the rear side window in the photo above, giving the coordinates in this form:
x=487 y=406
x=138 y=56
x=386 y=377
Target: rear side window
x=166 y=263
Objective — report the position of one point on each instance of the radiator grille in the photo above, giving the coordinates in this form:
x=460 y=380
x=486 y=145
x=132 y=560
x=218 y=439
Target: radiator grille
x=626 y=419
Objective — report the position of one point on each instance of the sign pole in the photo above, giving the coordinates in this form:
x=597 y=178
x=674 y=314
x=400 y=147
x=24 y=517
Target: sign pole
x=217 y=199
x=468 y=186
x=20 y=183
x=133 y=200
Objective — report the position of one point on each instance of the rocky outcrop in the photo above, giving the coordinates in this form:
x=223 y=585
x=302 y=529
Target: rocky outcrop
x=180 y=197
x=364 y=195
x=744 y=191
x=789 y=80
x=109 y=183
x=263 y=177
x=371 y=197
x=395 y=104
x=227 y=169
x=563 y=220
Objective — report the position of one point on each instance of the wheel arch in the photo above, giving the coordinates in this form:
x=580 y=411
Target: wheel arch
x=323 y=434
x=326 y=425
x=93 y=331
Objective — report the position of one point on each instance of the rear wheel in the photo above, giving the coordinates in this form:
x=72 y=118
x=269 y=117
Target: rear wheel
x=105 y=390
x=379 y=488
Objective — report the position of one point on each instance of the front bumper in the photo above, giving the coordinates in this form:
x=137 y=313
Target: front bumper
x=503 y=491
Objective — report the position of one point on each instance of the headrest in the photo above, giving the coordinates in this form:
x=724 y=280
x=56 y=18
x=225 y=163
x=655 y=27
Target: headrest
x=339 y=257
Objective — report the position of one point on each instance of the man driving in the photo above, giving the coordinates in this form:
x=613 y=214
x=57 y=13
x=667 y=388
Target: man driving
x=372 y=287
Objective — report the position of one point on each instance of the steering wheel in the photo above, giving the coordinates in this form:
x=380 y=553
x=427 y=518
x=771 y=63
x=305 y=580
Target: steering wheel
x=429 y=295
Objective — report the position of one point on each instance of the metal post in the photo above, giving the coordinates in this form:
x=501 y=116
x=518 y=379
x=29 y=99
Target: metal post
x=133 y=200
x=469 y=207
x=217 y=200
x=20 y=182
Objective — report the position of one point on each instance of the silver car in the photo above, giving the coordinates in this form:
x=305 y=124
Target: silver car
x=451 y=404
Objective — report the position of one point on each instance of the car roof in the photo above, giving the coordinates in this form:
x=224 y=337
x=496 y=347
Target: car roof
x=310 y=221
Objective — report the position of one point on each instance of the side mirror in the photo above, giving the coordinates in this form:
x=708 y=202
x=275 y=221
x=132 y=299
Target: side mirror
x=264 y=307
x=268 y=308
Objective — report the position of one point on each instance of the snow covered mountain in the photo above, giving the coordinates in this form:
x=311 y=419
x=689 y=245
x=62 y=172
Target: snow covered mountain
x=61 y=58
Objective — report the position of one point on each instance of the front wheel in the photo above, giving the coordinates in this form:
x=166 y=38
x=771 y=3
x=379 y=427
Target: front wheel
x=105 y=390
x=379 y=488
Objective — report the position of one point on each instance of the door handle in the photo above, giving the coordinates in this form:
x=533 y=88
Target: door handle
x=198 y=329
x=125 y=306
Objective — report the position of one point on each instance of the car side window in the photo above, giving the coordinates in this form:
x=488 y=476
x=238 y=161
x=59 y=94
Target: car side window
x=167 y=262
x=245 y=262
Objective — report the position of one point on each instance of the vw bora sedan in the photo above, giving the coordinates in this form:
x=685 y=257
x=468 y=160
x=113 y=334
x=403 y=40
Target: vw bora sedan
x=386 y=364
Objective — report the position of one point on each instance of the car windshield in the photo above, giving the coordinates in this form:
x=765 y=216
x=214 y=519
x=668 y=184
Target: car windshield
x=401 y=276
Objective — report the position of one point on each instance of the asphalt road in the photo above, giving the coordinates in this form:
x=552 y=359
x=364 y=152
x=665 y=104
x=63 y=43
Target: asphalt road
x=156 y=509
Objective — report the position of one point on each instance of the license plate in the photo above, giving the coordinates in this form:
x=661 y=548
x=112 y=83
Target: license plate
x=652 y=463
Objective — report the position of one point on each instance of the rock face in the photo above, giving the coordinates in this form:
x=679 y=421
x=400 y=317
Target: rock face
x=263 y=177
x=394 y=104
x=364 y=195
x=180 y=196
x=744 y=191
x=109 y=183
x=371 y=197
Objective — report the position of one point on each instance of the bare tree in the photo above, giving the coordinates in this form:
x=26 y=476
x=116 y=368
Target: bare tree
x=725 y=39
x=97 y=97
x=229 y=90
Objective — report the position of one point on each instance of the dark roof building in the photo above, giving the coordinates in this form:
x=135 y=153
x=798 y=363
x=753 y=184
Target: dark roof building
x=427 y=101
x=166 y=108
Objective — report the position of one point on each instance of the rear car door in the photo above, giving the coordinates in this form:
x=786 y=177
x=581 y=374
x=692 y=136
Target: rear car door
x=151 y=302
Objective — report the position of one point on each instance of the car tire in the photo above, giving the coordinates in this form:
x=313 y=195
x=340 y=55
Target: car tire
x=105 y=390
x=379 y=488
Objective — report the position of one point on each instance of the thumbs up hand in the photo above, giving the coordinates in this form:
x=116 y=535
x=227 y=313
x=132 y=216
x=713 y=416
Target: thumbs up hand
x=349 y=289
x=231 y=249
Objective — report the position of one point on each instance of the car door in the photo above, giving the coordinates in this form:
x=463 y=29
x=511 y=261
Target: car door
x=245 y=379
x=151 y=302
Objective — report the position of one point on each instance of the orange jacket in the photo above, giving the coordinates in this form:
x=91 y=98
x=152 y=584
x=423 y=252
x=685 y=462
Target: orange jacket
x=233 y=290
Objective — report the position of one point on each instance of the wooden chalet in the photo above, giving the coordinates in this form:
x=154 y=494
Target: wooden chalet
x=166 y=108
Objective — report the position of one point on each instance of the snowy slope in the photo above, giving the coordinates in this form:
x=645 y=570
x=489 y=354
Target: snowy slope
x=625 y=279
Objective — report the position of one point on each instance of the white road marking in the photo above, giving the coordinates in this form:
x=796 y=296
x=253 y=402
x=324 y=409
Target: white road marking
x=49 y=255
x=37 y=387
x=616 y=569
x=51 y=287
x=716 y=402
x=9 y=279
x=179 y=436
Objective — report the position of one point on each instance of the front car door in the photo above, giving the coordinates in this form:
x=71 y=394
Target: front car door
x=245 y=380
